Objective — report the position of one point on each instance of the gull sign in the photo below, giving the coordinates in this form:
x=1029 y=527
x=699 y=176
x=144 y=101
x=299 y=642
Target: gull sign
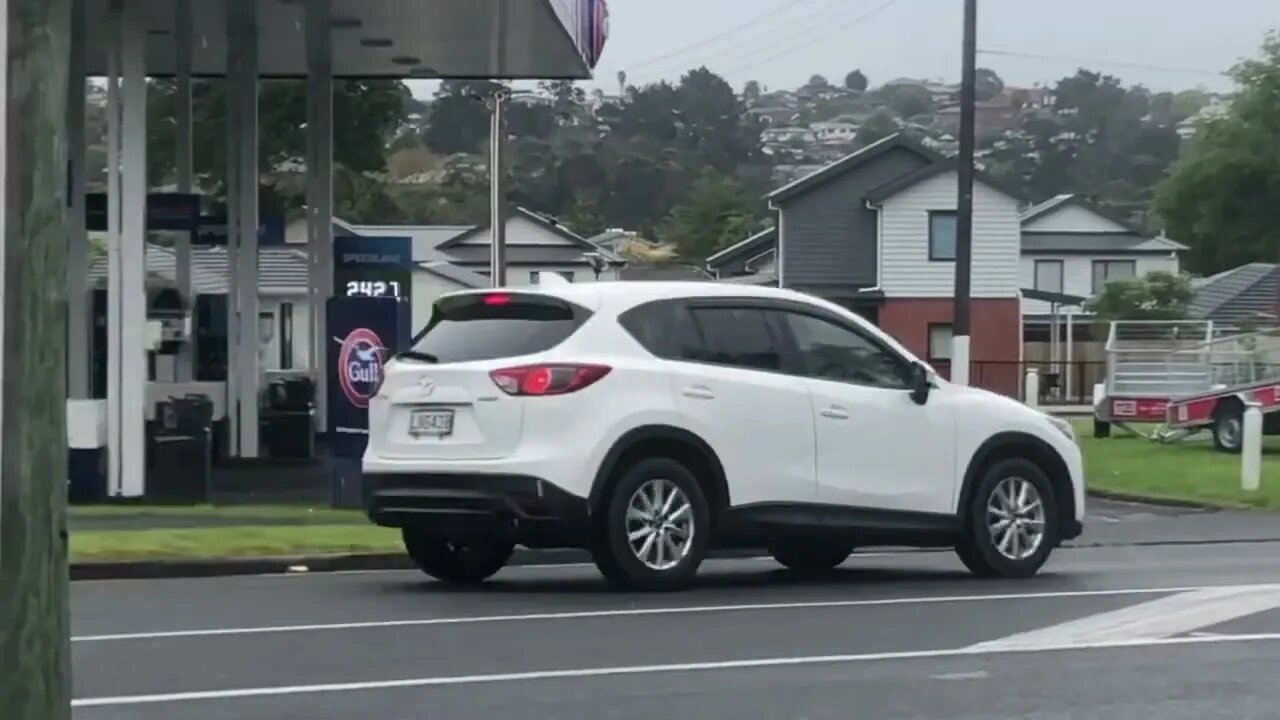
x=360 y=362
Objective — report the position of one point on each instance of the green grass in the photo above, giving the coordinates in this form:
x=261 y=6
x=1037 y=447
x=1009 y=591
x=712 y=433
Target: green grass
x=223 y=542
x=1190 y=470
x=294 y=513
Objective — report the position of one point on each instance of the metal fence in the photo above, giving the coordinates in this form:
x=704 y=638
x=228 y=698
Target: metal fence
x=1061 y=383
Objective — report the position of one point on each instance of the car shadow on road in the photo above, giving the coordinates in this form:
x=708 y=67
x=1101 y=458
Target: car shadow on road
x=714 y=580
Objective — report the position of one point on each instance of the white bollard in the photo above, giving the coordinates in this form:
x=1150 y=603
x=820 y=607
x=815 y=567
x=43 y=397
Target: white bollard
x=1031 y=388
x=1251 y=448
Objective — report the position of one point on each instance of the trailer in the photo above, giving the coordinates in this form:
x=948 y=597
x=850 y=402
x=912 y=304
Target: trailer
x=1245 y=370
x=1187 y=376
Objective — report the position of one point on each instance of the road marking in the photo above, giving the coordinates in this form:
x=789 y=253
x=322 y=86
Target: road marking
x=1177 y=614
x=628 y=612
x=181 y=697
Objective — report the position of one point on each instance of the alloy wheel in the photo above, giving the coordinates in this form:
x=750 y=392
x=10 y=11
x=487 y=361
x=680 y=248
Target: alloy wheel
x=659 y=524
x=1015 y=518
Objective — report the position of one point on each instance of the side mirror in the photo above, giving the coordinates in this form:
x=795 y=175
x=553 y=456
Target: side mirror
x=920 y=384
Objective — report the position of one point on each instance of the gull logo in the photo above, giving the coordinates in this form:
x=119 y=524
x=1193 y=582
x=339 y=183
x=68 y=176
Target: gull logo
x=426 y=386
x=360 y=362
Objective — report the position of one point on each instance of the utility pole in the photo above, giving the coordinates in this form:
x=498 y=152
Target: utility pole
x=964 y=200
x=498 y=186
x=35 y=644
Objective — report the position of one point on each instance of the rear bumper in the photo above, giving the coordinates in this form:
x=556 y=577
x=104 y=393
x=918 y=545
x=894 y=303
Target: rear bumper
x=526 y=509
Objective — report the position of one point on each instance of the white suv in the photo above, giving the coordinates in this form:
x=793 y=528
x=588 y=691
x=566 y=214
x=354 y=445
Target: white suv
x=651 y=422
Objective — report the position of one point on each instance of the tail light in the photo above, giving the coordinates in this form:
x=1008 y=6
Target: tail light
x=556 y=379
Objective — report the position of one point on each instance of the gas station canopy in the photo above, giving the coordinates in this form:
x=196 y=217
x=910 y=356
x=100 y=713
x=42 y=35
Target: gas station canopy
x=380 y=38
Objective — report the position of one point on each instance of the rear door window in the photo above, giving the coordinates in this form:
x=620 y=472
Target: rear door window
x=496 y=325
x=739 y=337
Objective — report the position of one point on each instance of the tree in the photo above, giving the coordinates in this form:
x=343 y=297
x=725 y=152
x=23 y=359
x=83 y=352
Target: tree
x=370 y=111
x=879 y=126
x=1222 y=197
x=751 y=91
x=717 y=212
x=855 y=80
x=818 y=81
x=987 y=84
x=458 y=120
x=907 y=100
x=1157 y=296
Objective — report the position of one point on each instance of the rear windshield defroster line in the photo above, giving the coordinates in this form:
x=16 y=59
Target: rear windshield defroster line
x=485 y=326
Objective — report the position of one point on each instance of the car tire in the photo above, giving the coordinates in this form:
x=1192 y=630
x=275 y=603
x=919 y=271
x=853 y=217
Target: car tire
x=811 y=554
x=991 y=550
x=620 y=542
x=456 y=561
x=1228 y=428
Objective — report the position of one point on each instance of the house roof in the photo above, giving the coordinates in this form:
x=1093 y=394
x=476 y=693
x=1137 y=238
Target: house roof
x=1098 y=243
x=426 y=238
x=769 y=279
x=911 y=179
x=549 y=223
x=753 y=243
x=662 y=272
x=1238 y=294
x=1052 y=205
x=852 y=161
x=460 y=275
x=281 y=270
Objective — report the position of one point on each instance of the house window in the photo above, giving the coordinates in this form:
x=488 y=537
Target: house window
x=535 y=276
x=1105 y=271
x=942 y=235
x=567 y=275
x=1049 y=276
x=939 y=343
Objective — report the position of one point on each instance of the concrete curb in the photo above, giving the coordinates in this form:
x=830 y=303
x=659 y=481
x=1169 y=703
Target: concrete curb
x=1139 y=499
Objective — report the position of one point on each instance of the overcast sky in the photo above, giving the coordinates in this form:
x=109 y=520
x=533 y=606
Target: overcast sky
x=1163 y=44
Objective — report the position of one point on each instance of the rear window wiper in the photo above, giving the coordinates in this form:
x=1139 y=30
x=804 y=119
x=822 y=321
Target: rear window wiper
x=418 y=355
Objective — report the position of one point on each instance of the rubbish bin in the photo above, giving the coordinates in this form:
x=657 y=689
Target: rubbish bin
x=86 y=451
x=289 y=420
x=179 y=450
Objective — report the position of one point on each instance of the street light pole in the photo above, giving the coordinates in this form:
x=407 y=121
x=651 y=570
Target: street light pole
x=498 y=186
x=964 y=198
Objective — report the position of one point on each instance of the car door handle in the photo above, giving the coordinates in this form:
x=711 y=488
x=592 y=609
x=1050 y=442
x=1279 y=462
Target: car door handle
x=835 y=412
x=698 y=392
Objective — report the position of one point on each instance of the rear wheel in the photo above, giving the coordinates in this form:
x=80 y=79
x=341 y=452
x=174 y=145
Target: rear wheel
x=456 y=560
x=811 y=554
x=1228 y=427
x=653 y=533
x=1012 y=521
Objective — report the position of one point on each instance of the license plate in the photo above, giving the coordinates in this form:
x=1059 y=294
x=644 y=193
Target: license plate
x=435 y=423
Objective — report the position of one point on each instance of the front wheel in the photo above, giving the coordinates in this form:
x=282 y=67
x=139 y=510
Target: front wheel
x=653 y=532
x=455 y=560
x=1012 y=522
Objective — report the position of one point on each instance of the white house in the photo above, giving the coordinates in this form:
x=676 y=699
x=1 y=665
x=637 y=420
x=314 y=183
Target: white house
x=1073 y=247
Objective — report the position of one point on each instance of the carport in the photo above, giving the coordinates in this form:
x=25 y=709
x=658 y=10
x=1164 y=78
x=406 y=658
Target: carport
x=126 y=41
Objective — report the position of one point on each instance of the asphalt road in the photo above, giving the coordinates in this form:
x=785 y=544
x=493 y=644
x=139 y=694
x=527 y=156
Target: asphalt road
x=1165 y=631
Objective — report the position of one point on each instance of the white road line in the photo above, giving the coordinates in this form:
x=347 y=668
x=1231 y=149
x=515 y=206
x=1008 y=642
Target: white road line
x=1177 y=614
x=181 y=697
x=628 y=612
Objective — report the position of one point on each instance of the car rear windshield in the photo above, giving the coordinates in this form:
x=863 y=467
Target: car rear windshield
x=494 y=325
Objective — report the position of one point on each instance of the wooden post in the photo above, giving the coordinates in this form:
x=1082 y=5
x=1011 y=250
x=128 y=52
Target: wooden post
x=35 y=647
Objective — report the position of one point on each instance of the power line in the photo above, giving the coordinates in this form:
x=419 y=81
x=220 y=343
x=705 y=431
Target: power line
x=756 y=62
x=699 y=45
x=748 y=45
x=1100 y=62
